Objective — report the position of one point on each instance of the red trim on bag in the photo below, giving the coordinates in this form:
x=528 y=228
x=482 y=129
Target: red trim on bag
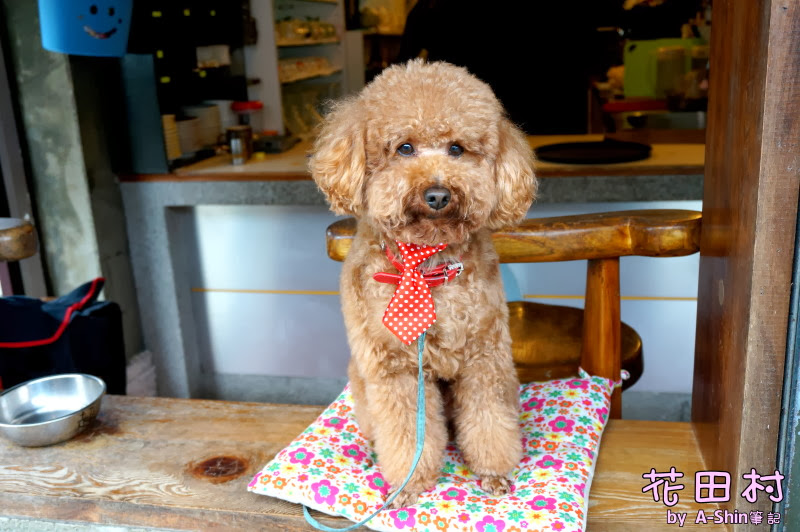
x=64 y=322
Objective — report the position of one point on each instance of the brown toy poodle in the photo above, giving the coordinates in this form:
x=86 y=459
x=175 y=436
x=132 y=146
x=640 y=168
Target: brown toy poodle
x=423 y=156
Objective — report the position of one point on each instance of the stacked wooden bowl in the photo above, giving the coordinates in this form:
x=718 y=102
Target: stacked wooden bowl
x=189 y=135
x=172 y=142
x=209 y=124
x=17 y=239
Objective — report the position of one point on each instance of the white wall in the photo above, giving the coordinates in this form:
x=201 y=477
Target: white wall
x=263 y=303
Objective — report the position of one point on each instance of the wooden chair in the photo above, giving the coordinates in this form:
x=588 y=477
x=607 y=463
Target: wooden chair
x=550 y=341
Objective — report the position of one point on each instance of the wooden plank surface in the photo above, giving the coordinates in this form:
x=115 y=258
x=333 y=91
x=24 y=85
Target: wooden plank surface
x=629 y=449
x=141 y=464
x=666 y=159
x=750 y=200
x=145 y=463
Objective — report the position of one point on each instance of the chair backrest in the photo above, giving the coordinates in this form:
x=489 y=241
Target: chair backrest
x=601 y=239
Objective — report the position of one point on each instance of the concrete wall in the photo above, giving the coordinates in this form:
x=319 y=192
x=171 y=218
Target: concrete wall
x=58 y=180
x=96 y=101
x=78 y=207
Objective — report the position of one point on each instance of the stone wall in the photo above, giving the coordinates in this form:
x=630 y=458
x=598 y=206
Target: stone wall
x=76 y=196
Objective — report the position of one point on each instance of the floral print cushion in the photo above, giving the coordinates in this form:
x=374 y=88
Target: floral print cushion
x=330 y=467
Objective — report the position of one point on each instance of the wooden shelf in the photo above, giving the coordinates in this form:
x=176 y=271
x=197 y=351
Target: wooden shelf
x=308 y=42
x=285 y=44
x=322 y=74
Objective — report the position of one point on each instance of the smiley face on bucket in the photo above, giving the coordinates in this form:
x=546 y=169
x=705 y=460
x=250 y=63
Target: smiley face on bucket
x=100 y=21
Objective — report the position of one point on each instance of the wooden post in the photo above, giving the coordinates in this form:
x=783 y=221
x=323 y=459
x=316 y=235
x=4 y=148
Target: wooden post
x=601 y=348
x=750 y=200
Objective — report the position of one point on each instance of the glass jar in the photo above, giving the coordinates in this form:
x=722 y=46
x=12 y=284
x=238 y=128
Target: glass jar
x=670 y=68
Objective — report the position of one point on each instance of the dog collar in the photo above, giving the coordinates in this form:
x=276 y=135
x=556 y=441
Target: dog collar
x=434 y=277
x=411 y=310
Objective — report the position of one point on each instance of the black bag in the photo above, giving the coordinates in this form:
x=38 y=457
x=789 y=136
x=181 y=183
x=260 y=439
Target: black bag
x=72 y=334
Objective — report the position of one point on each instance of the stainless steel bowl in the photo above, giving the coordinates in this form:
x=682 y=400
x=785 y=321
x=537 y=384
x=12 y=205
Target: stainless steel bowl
x=51 y=409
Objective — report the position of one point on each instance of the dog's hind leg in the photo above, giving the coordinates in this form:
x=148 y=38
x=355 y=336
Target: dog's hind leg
x=448 y=407
x=486 y=397
x=392 y=403
x=357 y=389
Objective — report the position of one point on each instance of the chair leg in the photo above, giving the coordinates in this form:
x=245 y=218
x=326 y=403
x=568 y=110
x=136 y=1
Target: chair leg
x=601 y=348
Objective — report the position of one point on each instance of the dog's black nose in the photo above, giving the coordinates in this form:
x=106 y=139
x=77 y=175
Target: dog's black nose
x=437 y=197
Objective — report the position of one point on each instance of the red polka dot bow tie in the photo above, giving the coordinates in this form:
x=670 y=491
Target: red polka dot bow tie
x=411 y=311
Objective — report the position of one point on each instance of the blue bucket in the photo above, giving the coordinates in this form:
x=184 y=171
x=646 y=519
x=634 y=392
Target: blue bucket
x=86 y=27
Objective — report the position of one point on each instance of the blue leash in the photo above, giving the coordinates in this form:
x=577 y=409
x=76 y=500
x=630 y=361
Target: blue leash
x=420 y=443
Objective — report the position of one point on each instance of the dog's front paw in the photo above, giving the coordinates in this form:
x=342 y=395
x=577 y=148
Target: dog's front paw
x=407 y=497
x=495 y=485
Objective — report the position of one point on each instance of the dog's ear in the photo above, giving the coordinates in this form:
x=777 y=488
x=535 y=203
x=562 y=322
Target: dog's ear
x=338 y=163
x=516 y=182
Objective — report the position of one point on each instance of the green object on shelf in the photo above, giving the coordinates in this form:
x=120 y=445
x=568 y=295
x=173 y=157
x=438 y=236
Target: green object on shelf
x=641 y=64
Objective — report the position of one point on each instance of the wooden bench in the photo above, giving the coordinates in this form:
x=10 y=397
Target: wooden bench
x=185 y=464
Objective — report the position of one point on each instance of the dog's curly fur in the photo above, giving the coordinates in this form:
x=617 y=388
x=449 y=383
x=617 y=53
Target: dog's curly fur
x=469 y=373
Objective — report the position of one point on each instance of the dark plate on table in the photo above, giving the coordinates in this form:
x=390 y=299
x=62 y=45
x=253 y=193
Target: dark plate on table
x=596 y=152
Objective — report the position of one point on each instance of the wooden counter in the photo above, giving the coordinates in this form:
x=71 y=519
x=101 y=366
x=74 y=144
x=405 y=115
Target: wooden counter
x=666 y=159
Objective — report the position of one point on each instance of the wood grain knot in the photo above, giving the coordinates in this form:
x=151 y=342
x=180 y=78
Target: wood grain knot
x=219 y=469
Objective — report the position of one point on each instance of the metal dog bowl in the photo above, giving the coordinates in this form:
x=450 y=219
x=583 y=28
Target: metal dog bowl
x=51 y=409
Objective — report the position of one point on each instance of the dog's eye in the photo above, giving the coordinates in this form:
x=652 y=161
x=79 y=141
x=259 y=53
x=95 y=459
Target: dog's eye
x=406 y=149
x=455 y=150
